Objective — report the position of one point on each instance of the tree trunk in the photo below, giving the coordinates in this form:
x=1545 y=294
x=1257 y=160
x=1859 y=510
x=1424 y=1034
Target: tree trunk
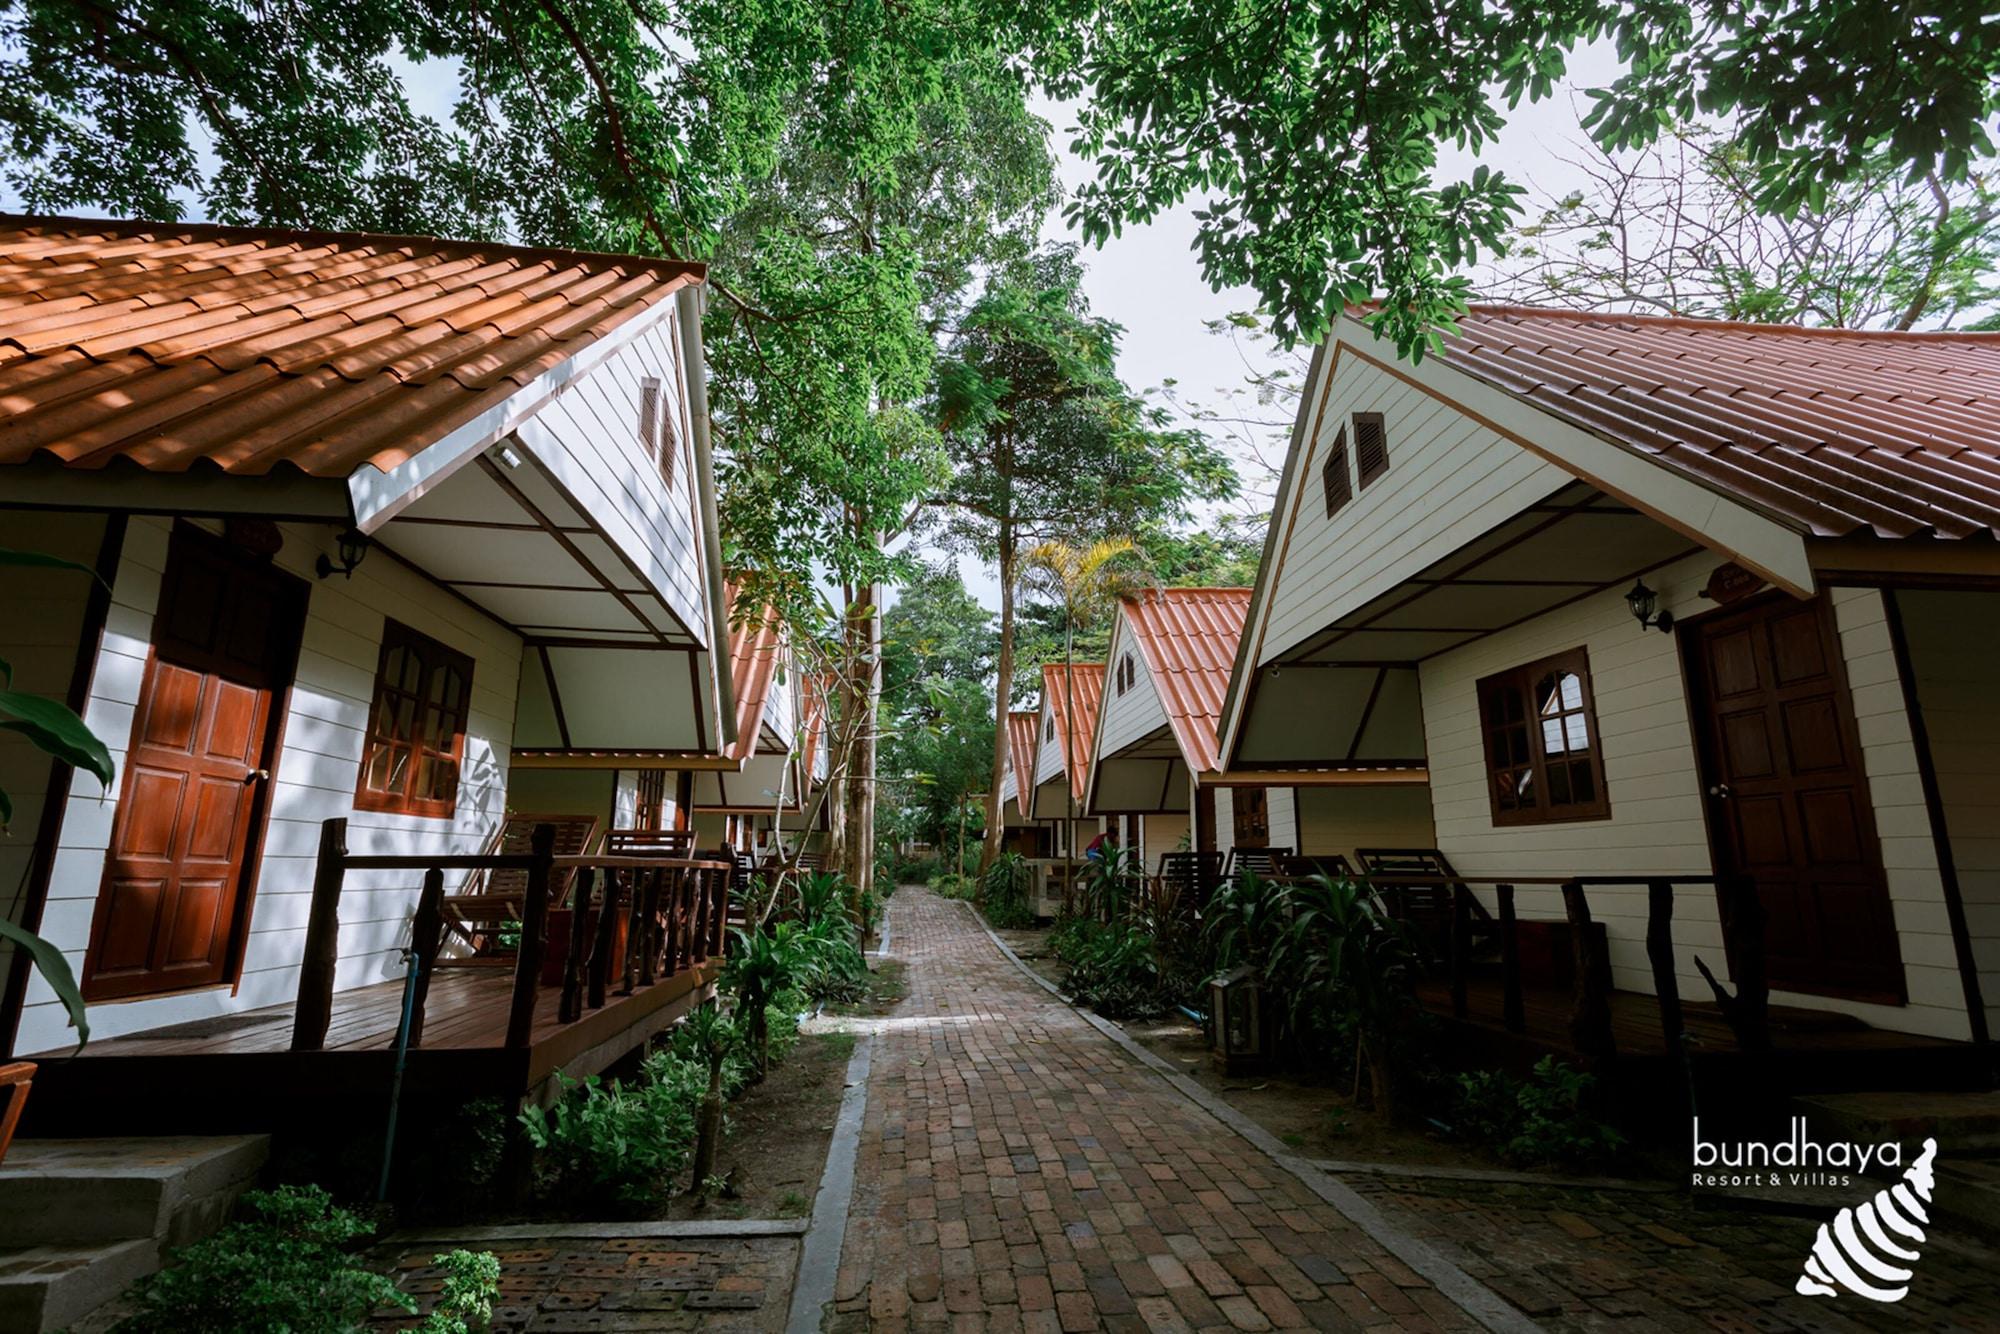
x=1003 y=687
x=708 y=1131
x=863 y=633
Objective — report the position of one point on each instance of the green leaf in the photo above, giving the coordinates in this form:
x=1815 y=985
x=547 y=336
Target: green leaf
x=57 y=731
x=55 y=969
x=42 y=560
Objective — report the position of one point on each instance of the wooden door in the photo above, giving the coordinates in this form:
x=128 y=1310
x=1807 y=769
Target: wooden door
x=1787 y=797
x=1253 y=817
x=176 y=888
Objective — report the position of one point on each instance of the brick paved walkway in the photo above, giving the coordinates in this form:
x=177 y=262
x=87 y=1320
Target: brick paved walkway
x=1019 y=1171
x=622 y=1285
x=1578 y=1260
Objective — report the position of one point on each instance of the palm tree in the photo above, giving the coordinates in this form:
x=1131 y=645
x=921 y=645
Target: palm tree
x=1087 y=582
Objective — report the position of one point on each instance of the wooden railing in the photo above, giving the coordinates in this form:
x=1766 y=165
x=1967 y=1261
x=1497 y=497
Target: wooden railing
x=1591 y=1034
x=668 y=912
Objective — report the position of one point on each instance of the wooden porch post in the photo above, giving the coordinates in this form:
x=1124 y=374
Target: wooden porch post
x=314 y=1008
x=684 y=799
x=1590 y=1012
x=534 y=936
x=1204 y=819
x=426 y=930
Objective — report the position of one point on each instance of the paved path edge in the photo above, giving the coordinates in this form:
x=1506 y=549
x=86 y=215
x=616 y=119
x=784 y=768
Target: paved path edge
x=1466 y=1292
x=690 y=1228
x=819 y=1257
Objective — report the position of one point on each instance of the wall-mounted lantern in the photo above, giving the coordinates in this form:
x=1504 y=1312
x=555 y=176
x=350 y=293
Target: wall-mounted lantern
x=1644 y=603
x=353 y=546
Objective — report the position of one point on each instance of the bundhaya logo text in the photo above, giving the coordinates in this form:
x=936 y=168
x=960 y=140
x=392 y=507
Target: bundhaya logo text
x=1799 y=1160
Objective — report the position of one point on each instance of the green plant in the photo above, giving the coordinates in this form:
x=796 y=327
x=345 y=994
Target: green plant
x=1116 y=970
x=285 y=1265
x=465 y=1305
x=709 y=1037
x=1343 y=956
x=1003 y=891
x=762 y=964
x=625 y=1141
x=1547 y=1118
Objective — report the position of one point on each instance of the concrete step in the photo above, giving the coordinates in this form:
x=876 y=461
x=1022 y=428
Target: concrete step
x=1968 y=1193
x=168 y=1190
x=52 y=1287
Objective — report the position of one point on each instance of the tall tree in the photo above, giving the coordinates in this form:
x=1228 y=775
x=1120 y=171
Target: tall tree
x=829 y=457
x=937 y=734
x=1047 y=442
x=1679 y=228
x=1310 y=132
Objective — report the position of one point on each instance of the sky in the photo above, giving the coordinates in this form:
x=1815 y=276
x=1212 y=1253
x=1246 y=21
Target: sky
x=1149 y=279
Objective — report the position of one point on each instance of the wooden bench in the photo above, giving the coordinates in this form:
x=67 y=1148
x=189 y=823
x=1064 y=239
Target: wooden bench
x=478 y=918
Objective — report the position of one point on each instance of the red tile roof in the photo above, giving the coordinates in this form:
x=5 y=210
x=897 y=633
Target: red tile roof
x=171 y=344
x=754 y=648
x=1187 y=638
x=1089 y=683
x=1835 y=431
x=1021 y=738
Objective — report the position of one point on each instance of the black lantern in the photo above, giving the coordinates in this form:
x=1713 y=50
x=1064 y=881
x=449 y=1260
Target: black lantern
x=1236 y=1021
x=353 y=546
x=1643 y=600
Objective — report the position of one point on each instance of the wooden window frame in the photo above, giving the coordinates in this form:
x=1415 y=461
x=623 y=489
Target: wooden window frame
x=1524 y=743
x=1336 y=467
x=1375 y=419
x=432 y=657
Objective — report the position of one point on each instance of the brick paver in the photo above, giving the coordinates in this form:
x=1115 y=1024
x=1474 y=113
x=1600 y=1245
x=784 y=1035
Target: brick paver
x=1578 y=1260
x=1019 y=1171
x=631 y=1285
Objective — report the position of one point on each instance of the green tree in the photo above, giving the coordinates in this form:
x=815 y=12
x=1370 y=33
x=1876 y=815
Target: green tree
x=1046 y=442
x=937 y=659
x=1310 y=132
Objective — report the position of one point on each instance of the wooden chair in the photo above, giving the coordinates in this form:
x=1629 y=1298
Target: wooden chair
x=1420 y=901
x=1333 y=865
x=1260 y=862
x=1185 y=879
x=478 y=916
x=648 y=842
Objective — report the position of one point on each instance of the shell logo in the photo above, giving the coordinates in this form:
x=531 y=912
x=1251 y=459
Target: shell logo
x=1867 y=1247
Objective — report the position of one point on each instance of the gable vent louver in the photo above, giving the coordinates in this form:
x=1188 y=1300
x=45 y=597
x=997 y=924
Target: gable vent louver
x=1371 y=446
x=1333 y=475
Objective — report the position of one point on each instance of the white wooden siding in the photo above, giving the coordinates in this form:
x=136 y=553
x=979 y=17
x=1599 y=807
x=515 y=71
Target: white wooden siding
x=1954 y=644
x=1162 y=834
x=1657 y=824
x=1448 y=477
x=38 y=639
x=318 y=766
x=1341 y=819
x=1048 y=754
x=1128 y=717
x=588 y=438
x=1282 y=807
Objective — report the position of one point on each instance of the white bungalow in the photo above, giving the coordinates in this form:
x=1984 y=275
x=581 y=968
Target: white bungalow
x=1023 y=833
x=1156 y=766
x=1062 y=753
x=400 y=531
x=1468 y=570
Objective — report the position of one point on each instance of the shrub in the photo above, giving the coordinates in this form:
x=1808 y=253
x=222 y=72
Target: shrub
x=1116 y=971
x=1544 y=1119
x=284 y=1266
x=465 y=1304
x=617 y=1141
x=762 y=964
x=1003 y=891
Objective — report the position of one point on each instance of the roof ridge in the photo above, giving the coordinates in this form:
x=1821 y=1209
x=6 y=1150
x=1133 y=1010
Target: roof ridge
x=63 y=225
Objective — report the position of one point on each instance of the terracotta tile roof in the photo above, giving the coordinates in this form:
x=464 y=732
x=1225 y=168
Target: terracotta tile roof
x=813 y=721
x=1021 y=738
x=1836 y=431
x=171 y=344
x=754 y=649
x=1089 y=682
x=1187 y=638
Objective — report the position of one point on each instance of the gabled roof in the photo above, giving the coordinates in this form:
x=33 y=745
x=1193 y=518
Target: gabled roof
x=172 y=345
x=1021 y=739
x=1088 y=679
x=813 y=720
x=1187 y=638
x=1833 y=431
x=754 y=649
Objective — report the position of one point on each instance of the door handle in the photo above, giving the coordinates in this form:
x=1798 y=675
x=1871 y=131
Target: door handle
x=257 y=776
x=1720 y=790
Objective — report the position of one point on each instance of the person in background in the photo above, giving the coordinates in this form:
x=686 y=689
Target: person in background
x=1104 y=847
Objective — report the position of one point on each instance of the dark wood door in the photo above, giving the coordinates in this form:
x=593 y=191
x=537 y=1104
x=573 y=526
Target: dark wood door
x=1253 y=817
x=1787 y=797
x=176 y=886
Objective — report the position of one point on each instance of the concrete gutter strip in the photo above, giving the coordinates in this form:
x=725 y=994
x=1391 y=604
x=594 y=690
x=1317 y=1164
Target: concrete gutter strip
x=819 y=1259
x=693 y=1228
x=1467 y=1292
x=1341 y=1167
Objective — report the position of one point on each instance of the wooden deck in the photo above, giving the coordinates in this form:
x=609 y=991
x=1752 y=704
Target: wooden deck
x=237 y=1072
x=1817 y=1050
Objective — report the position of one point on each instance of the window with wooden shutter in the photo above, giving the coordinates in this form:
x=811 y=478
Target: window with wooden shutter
x=416 y=726
x=1371 y=446
x=1128 y=673
x=1333 y=475
x=1543 y=761
x=649 y=418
